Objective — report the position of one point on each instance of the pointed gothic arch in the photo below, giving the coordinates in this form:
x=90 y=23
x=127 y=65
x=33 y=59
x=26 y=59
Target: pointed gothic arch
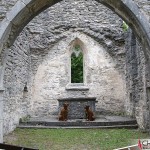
x=77 y=54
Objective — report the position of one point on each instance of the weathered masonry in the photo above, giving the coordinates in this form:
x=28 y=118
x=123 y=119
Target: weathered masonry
x=37 y=41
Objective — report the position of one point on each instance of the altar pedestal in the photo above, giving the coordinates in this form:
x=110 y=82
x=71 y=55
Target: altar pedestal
x=76 y=106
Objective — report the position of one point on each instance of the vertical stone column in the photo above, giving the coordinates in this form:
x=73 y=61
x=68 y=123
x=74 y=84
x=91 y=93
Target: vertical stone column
x=1 y=103
x=1 y=116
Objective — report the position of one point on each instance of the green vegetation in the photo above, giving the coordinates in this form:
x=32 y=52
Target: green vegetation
x=77 y=66
x=25 y=119
x=125 y=26
x=74 y=139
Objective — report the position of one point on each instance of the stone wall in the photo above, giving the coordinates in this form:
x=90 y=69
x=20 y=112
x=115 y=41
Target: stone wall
x=5 y=6
x=31 y=60
x=40 y=58
x=136 y=77
x=52 y=37
x=101 y=75
x=144 y=6
x=17 y=73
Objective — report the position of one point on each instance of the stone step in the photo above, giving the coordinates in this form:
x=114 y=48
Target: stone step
x=80 y=123
x=105 y=122
x=100 y=122
x=79 y=127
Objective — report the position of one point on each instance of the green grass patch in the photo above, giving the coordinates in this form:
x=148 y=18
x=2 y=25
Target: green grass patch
x=74 y=139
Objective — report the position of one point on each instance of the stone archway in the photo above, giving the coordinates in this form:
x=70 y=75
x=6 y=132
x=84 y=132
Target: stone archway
x=25 y=10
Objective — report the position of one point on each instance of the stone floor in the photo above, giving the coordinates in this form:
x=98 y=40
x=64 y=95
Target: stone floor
x=100 y=122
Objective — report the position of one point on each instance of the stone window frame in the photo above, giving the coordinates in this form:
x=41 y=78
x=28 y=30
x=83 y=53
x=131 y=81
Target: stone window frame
x=77 y=86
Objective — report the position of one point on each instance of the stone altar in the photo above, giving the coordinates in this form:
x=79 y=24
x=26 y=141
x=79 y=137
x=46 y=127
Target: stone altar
x=76 y=106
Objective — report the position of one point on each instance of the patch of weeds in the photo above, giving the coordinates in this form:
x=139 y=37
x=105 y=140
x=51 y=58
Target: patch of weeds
x=24 y=119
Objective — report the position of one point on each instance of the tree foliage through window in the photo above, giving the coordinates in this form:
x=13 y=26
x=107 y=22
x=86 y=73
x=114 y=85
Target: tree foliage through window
x=77 y=65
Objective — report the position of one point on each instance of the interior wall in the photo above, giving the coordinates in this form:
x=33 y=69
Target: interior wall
x=16 y=74
x=46 y=30
x=51 y=27
x=52 y=78
x=137 y=82
x=40 y=42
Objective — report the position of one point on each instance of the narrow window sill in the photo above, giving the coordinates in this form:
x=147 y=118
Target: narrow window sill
x=77 y=87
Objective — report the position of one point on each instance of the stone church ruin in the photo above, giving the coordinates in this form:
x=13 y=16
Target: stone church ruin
x=39 y=41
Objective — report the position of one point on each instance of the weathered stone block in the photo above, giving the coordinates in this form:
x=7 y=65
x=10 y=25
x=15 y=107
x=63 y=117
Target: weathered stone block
x=26 y=2
x=15 y=11
x=76 y=108
x=1 y=110
x=5 y=28
x=1 y=131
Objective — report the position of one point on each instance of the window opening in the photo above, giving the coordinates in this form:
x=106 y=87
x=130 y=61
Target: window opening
x=77 y=65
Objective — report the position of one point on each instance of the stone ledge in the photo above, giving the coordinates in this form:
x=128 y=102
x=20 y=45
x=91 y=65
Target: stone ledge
x=78 y=127
x=2 y=89
x=77 y=87
x=111 y=122
x=78 y=99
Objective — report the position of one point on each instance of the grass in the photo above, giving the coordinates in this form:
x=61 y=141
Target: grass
x=73 y=139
